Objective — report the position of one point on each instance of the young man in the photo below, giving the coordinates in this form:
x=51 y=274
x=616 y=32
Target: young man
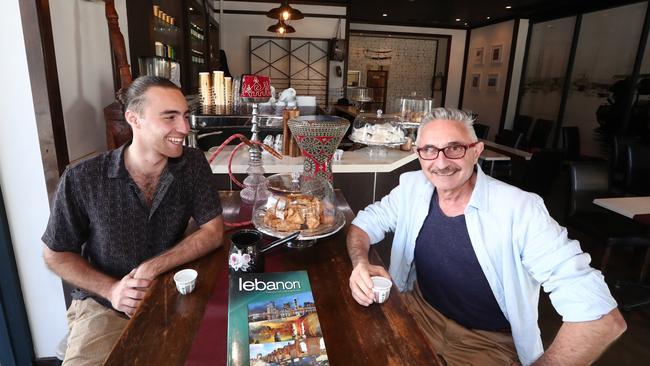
x=473 y=251
x=118 y=219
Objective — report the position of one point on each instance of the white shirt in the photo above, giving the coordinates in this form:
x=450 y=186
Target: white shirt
x=517 y=243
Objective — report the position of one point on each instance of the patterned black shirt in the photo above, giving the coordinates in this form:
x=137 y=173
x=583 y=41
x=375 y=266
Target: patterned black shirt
x=100 y=213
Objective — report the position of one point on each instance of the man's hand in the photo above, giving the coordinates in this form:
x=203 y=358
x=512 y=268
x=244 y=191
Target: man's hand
x=361 y=284
x=145 y=271
x=126 y=294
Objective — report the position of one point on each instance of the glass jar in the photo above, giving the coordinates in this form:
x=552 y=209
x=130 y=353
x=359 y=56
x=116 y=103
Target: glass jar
x=413 y=109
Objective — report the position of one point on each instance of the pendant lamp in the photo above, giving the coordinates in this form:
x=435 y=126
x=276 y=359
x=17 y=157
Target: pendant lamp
x=281 y=28
x=285 y=12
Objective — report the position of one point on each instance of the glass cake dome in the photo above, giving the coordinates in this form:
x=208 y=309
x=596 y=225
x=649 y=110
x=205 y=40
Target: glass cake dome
x=297 y=203
x=377 y=130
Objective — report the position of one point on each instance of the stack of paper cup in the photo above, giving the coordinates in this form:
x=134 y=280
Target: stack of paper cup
x=204 y=88
x=227 y=84
x=228 y=90
x=218 y=88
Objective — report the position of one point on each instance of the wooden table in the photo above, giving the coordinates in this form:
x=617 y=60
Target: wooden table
x=170 y=329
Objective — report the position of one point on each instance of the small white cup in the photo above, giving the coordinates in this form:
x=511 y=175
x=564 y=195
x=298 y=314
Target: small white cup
x=381 y=288
x=185 y=281
x=338 y=154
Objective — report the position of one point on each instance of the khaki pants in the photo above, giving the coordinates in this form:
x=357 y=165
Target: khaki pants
x=93 y=329
x=455 y=344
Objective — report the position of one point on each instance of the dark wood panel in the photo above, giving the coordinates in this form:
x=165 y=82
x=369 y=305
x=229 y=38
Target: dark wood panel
x=387 y=181
x=356 y=187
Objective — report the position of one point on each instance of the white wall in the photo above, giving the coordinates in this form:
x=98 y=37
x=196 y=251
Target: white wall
x=455 y=58
x=83 y=60
x=237 y=28
x=518 y=63
x=487 y=103
x=23 y=187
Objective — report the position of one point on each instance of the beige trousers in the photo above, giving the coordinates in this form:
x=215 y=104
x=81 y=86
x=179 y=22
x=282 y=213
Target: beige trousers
x=457 y=345
x=93 y=329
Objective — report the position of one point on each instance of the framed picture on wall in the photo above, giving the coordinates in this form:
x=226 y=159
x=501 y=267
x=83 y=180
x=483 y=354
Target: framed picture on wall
x=496 y=54
x=475 y=82
x=492 y=83
x=478 y=55
x=354 y=78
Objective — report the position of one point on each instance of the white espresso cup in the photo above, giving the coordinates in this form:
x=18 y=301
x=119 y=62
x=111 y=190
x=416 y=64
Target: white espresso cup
x=185 y=281
x=381 y=288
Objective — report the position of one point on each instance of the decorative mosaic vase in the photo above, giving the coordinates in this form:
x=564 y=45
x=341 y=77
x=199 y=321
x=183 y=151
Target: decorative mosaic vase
x=318 y=137
x=255 y=88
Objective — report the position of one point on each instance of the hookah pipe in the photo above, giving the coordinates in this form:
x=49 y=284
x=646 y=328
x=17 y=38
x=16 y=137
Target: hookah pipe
x=245 y=141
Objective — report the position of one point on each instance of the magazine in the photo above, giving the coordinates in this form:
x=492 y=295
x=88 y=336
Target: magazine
x=272 y=320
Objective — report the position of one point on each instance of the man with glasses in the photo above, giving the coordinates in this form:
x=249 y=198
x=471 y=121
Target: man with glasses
x=471 y=253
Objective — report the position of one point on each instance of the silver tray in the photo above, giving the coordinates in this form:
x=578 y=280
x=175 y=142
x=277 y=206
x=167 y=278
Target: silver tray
x=258 y=222
x=408 y=124
x=372 y=143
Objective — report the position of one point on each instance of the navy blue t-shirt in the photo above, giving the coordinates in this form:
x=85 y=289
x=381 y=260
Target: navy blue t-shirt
x=449 y=275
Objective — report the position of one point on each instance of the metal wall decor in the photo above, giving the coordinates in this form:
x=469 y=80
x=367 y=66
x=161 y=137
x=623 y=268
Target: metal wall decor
x=378 y=54
x=299 y=63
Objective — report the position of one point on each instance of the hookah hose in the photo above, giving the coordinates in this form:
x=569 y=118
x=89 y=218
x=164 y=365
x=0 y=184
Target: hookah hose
x=245 y=141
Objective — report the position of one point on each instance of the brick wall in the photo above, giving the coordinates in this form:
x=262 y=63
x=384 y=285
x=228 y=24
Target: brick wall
x=410 y=68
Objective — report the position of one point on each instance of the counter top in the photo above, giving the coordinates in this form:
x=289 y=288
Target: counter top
x=365 y=160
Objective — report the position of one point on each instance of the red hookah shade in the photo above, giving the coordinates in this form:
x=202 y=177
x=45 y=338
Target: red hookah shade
x=255 y=86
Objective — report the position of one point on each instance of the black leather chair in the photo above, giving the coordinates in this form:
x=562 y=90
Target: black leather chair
x=540 y=133
x=618 y=163
x=481 y=130
x=509 y=138
x=541 y=171
x=571 y=143
x=637 y=172
x=522 y=124
x=589 y=180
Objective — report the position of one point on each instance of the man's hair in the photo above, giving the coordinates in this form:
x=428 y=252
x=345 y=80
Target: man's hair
x=450 y=114
x=133 y=98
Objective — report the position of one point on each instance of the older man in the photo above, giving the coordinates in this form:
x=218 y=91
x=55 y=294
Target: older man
x=118 y=219
x=472 y=253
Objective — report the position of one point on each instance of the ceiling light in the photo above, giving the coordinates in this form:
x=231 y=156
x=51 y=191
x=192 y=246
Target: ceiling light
x=465 y=23
x=458 y=19
x=285 y=12
x=281 y=28
x=384 y=15
x=508 y=6
x=488 y=18
x=191 y=8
